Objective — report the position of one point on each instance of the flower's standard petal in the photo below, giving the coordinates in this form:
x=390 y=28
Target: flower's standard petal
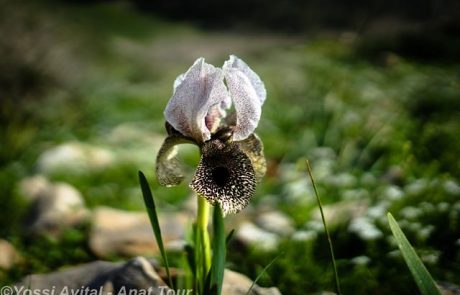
x=178 y=81
x=195 y=93
x=248 y=94
x=254 y=149
x=236 y=63
x=247 y=104
x=168 y=169
x=224 y=176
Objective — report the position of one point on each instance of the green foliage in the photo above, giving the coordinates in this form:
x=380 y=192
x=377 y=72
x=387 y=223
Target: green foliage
x=326 y=230
x=262 y=273
x=422 y=277
x=380 y=134
x=152 y=212
x=219 y=246
x=69 y=248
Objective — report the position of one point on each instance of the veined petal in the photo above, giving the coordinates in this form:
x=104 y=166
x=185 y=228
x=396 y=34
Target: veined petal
x=254 y=149
x=247 y=104
x=195 y=93
x=168 y=169
x=248 y=94
x=236 y=63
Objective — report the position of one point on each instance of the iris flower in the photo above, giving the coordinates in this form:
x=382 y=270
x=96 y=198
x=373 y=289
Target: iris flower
x=232 y=159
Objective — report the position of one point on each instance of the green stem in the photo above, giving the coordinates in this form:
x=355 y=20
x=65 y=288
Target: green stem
x=331 y=249
x=202 y=229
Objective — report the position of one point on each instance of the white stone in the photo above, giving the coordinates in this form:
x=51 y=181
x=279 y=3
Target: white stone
x=252 y=235
x=451 y=187
x=33 y=187
x=118 y=232
x=99 y=277
x=365 y=229
x=411 y=213
x=75 y=157
x=276 y=222
x=341 y=212
x=393 y=193
x=361 y=260
x=238 y=284
x=8 y=255
x=55 y=205
x=417 y=187
x=304 y=235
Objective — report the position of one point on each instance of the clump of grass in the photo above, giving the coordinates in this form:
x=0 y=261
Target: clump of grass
x=207 y=269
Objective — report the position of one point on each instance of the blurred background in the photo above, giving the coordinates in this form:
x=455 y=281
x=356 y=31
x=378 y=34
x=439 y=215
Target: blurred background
x=368 y=91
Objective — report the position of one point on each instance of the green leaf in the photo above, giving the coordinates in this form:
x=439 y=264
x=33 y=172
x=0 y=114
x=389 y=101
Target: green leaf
x=219 y=251
x=421 y=275
x=151 y=210
x=189 y=252
x=229 y=236
x=262 y=272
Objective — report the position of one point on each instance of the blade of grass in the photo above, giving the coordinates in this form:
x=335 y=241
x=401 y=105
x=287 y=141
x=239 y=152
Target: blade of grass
x=218 y=250
x=262 y=272
x=331 y=248
x=229 y=236
x=151 y=210
x=421 y=275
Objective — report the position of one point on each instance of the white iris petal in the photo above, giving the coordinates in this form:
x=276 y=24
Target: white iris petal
x=248 y=94
x=200 y=99
x=195 y=93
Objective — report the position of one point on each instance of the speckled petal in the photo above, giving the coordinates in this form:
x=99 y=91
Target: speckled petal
x=248 y=94
x=254 y=149
x=168 y=169
x=224 y=176
x=259 y=86
x=195 y=93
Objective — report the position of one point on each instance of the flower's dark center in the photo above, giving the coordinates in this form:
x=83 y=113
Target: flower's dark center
x=220 y=175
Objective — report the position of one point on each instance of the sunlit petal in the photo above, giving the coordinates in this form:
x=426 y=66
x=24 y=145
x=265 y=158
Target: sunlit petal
x=259 y=86
x=254 y=149
x=248 y=94
x=195 y=93
x=168 y=168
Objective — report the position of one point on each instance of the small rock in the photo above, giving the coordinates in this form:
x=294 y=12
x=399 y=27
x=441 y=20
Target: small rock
x=365 y=229
x=119 y=278
x=251 y=235
x=33 y=187
x=54 y=206
x=276 y=222
x=342 y=180
x=417 y=187
x=342 y=212
x=451 y=187
x=8 y=255
x=393 y=193
x=117 y=232
x=448 y=288
x=75 y=157
x=304 y=235
x=395 y=175
x=108 y=277
x=239 y=284
x=360 y=260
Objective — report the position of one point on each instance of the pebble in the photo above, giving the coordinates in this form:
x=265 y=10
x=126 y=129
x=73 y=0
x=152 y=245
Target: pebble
x=124 y=233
